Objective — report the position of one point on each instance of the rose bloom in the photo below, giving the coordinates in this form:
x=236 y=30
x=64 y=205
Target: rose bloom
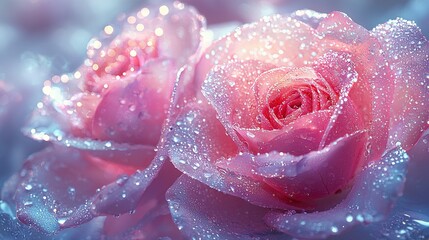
x=302 y=127
x=106 y=123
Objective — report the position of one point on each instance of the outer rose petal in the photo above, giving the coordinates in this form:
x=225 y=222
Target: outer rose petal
x=204 y=213
x=12 y=229
x=374 y=80
x=152 y=218
x=309 y=17
x=306 y=178
x=55 y=182
x=407 y=51
x=197 y=141
x=282 y=41
x=370 y=200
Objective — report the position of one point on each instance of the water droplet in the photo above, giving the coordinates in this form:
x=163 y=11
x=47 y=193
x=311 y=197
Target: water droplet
x=28 y=187
x=349 y=218
x=61 y=221
x=71 y=191
x=249 y=134
x=132 y=108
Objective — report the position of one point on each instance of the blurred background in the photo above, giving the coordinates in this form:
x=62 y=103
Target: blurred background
x=42 y=38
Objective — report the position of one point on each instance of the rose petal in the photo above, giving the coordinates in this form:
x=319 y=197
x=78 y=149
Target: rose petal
x=197 y=141
x=12 y=229
x=309 y=177
x=336 y=32
x=182 y=33
x=407 y=51
x=135 y=113
x=370 y=200
x=299 y=137
x=172 y=31
x=309 y=17
x=270 y=84
x=117 y=197
x=229 y=89
x=54 y=183
x=374 y=77
x=340 y=72
x=282 y=41
x=204 y=213
x=151 y=219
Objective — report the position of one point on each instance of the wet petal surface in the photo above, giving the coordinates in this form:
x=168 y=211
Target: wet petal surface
x=196 y=143
x=370 y=200
x=54 y=183
x=201 y=212
x=408 y=53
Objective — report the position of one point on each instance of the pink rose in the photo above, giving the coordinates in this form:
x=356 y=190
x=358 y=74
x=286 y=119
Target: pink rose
x=302 y=125
x=106 y=123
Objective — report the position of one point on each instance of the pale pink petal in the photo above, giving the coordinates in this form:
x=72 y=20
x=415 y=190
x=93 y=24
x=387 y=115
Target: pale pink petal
x=118 y=197
x=349 y=114
x=135 y=113
x=172 y=31
x=54 y=183
x=370 y=200
x=309 y=17
x=197 y=141
x=229 y=89
x=204 y=213
x=307 y=178
x=374 y=76
x=313 y=130
x=297 y=138
x=282 y=41
x=407 y=51
x=151 y=219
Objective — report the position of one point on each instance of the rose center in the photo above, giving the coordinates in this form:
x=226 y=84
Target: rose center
x=290 y=102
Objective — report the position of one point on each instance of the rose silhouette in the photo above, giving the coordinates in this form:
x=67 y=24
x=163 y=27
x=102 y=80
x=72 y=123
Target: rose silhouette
x=302 y=125
x=106 y=123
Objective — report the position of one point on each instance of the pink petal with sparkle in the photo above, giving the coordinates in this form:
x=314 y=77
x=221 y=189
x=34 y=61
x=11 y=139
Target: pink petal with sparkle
x=370 y=200
x=297 y=138
x=147 y=35
x=54 y=183
x=407 y=51
x=282 y=41
x=374 y=77
x=277 y=87
x=197 y=141
x=310 y=17
x=152 y=218
x=229 y=89
x=135 y=113
x=204 y=213
x=306 y=178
